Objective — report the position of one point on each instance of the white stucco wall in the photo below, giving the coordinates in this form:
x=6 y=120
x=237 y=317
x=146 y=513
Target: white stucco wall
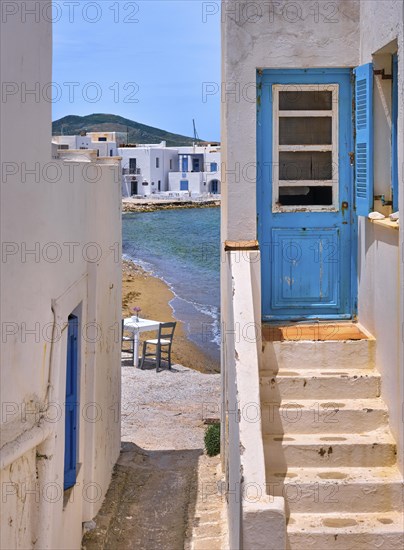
x=275 y=35
x=380 y=273
x=195 y=181
x=56 y=211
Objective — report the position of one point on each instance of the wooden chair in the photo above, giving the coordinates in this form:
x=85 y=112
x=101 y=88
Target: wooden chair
x=161 y=346
x=128 y=339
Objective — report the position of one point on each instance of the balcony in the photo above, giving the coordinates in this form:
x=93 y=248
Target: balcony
x=129 y=172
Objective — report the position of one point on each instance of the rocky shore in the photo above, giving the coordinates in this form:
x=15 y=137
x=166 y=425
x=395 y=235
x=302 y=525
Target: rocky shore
x=146 y=205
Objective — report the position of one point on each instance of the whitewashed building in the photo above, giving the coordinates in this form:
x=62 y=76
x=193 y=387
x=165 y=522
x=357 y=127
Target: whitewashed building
x=312 y=288
x=146 y=168
x=151 y=169
x=60 y=310
x=199 y=170
x=105 y=143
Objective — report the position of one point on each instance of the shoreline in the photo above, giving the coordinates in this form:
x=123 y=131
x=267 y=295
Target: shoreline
x=144 y=205
x=142 y=288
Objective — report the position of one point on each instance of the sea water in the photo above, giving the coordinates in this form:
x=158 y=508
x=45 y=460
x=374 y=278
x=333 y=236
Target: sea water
x=182 y=247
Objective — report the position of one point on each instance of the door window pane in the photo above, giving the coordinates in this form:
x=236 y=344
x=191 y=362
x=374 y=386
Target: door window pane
x=305 y=196
x=307 y=165
x=296 y=100
x=305 y=130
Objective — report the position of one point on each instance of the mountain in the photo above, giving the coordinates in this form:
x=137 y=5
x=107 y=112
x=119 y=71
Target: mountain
x=138 y=133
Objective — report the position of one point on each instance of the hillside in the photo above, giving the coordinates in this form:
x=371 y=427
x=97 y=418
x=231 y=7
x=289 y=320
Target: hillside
x=138 y=133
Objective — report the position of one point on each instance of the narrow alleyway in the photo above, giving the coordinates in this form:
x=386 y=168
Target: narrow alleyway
x=163 y=489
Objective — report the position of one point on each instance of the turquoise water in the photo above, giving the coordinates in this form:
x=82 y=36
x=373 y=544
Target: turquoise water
x=182 y=247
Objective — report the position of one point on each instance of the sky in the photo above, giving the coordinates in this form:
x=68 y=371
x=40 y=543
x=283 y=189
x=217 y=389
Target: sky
x=153 y=61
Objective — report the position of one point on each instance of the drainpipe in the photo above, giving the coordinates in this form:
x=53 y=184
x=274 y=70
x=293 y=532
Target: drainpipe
x=46 y=466
x=30 y=439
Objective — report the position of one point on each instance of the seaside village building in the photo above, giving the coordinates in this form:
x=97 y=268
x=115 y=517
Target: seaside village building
x=145 y=168
x=152 y=169
x=199 y=170
x=60 y=310
x=312 y=288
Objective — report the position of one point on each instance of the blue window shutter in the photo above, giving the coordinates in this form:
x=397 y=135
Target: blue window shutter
x=394 y=135
x=71 y=432
x=364 y=139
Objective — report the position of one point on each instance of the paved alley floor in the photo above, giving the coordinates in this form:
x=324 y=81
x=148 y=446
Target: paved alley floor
x=164 y=489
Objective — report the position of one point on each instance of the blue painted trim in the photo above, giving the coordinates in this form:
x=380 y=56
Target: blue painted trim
x=364 y=139
x=265 y=80
x=71 y=404
x=394 y=134
x=297 y=318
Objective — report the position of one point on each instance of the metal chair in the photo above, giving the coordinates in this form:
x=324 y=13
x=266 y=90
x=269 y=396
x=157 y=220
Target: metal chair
x=162 y=346
x=128 y=339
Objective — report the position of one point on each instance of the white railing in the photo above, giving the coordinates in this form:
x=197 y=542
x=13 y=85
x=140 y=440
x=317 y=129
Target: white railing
x=256 y=520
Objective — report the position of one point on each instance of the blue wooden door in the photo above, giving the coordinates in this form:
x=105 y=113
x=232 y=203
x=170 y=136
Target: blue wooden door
x=305 y=205
x=71 y=404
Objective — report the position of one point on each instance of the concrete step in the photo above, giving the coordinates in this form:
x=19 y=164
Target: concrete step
x=309 y=354
x=338 y=490
x=346 y=531
x=318 y=384
x=369 y=449
x=320 y=416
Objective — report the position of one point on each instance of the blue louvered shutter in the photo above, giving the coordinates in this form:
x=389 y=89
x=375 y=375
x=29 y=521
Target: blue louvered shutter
x=70 y=462
x=364 y=139
x=394 y=134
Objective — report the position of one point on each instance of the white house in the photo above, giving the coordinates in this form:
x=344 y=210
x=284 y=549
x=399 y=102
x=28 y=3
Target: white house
x=312 y=288
x=199 y=170
x=60 y=310
x=146 y=168
x=105 y=143
x=154 y=168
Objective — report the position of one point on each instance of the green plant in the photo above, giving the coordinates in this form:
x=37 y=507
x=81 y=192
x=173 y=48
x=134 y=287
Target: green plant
x=212 y=439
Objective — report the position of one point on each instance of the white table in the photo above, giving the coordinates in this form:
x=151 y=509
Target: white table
x=143 y=325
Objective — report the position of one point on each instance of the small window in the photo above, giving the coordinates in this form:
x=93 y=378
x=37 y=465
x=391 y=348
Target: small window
x=305 y=147
x=184 y=185
x=102 y=139
x=63 y=147
x=157 y=162
x=213 y=166
x=132 y=166
x=159 y=185
x=171 y=164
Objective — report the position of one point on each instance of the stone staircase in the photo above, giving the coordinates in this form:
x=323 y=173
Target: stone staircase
x=328 y=447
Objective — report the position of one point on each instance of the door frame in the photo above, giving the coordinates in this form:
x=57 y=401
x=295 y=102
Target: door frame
x=264 y=140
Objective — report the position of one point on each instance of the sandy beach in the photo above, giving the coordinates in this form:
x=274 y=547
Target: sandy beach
x=153 y=296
